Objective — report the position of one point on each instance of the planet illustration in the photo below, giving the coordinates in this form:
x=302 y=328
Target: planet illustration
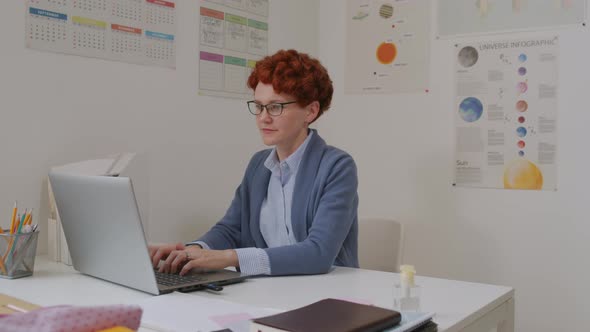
x=521 y=119
x=521 y=153
x=360 y=15
x=522 y=71
x=522 y=174
x=522 y=106
x=468 y=56
x=522 y=57
x=470 y=109
x=522 y=87
x=521 y=131
x=521 y=144
x=386 y=53
x=386 y=11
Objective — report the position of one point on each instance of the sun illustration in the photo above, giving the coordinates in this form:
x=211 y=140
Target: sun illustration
x=386 y=53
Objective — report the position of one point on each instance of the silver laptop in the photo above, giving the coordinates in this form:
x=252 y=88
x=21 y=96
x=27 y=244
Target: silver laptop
x=103 y=229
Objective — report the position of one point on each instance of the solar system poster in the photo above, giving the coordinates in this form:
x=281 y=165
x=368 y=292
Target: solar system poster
x=506 y=114
x=387 y=47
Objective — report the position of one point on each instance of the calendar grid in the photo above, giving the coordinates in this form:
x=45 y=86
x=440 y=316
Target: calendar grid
x=137 y=31
x=50 y=26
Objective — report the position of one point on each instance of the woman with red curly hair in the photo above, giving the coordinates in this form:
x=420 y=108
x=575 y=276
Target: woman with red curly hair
x=295 y=211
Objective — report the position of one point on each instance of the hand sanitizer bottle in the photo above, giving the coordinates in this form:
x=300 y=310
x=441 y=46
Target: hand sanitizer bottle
x=406 y=294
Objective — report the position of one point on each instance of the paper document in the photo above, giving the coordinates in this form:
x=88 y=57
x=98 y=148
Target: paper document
x=411 y=320
x=182 y=312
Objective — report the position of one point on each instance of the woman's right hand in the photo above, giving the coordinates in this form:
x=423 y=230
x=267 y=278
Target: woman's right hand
x=160 y=252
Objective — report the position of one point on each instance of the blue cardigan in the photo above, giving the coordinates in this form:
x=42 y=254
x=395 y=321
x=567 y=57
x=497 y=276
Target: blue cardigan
x=324 y=213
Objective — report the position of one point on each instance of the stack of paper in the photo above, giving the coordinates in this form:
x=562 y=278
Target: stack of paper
x=181 y=312
x=412 y=320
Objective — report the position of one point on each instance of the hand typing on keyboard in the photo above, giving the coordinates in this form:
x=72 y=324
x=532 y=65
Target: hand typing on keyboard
x=178 y=257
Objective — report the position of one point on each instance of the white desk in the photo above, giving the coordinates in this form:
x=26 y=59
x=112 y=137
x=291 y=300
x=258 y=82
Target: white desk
x=459 y=306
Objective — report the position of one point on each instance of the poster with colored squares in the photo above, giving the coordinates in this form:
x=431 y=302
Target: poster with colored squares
x=136 y=31
x=461 y=17
x=233 y=36
x=387 y=48
x=505 y=114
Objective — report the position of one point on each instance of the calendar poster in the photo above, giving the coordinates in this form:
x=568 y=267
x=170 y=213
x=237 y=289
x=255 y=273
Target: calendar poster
x=136 y=31
x=233 y=36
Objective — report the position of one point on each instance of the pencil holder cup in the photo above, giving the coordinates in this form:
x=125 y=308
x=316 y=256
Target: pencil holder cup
x=18 y=254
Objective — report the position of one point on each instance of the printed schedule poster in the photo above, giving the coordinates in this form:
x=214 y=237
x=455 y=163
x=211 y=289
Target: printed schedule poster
x=233 y=36
x=476 y=17
x=506 y=114
x=136 y=31
x=387 y=49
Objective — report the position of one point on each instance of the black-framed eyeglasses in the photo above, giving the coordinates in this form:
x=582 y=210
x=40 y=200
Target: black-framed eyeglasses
x=273 y=109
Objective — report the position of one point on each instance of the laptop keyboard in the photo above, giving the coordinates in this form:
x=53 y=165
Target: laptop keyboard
x=168 y=279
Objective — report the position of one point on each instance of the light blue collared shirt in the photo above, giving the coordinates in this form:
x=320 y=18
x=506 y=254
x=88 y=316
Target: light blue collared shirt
x=275 y=213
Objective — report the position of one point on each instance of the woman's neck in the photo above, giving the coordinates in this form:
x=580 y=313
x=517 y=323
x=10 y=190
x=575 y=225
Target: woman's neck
x=283 y=152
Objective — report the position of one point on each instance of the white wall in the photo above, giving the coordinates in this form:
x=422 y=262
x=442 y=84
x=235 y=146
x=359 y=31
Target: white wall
x=61 y=108
x=536 y=242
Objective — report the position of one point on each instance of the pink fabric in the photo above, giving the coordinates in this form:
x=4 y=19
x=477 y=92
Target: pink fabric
x=73 y=319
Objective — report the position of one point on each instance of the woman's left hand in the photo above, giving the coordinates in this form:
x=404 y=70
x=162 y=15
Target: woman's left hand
x=210 y=260
x=194 y=257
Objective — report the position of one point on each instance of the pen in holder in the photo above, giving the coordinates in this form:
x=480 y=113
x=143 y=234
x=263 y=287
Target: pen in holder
x=18 y=254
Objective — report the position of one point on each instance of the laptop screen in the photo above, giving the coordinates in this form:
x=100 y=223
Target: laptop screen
x=102 y=225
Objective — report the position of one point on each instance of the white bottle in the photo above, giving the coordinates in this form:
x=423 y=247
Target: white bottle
x=406 y=294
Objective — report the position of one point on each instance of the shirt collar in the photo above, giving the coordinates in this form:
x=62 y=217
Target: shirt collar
x=272 y=161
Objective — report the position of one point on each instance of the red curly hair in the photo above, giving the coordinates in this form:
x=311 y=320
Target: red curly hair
x=296 y=74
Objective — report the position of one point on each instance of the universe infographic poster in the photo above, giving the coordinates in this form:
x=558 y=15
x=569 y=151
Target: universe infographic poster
x=505 y=114
x=387 y=47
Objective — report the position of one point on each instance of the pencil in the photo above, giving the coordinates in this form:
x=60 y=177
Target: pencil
x=12 y=220
x=16 y=223
x=2 y=267
x=29 y=219
x=15 y=308
x=22 y=222
x=13 y=243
